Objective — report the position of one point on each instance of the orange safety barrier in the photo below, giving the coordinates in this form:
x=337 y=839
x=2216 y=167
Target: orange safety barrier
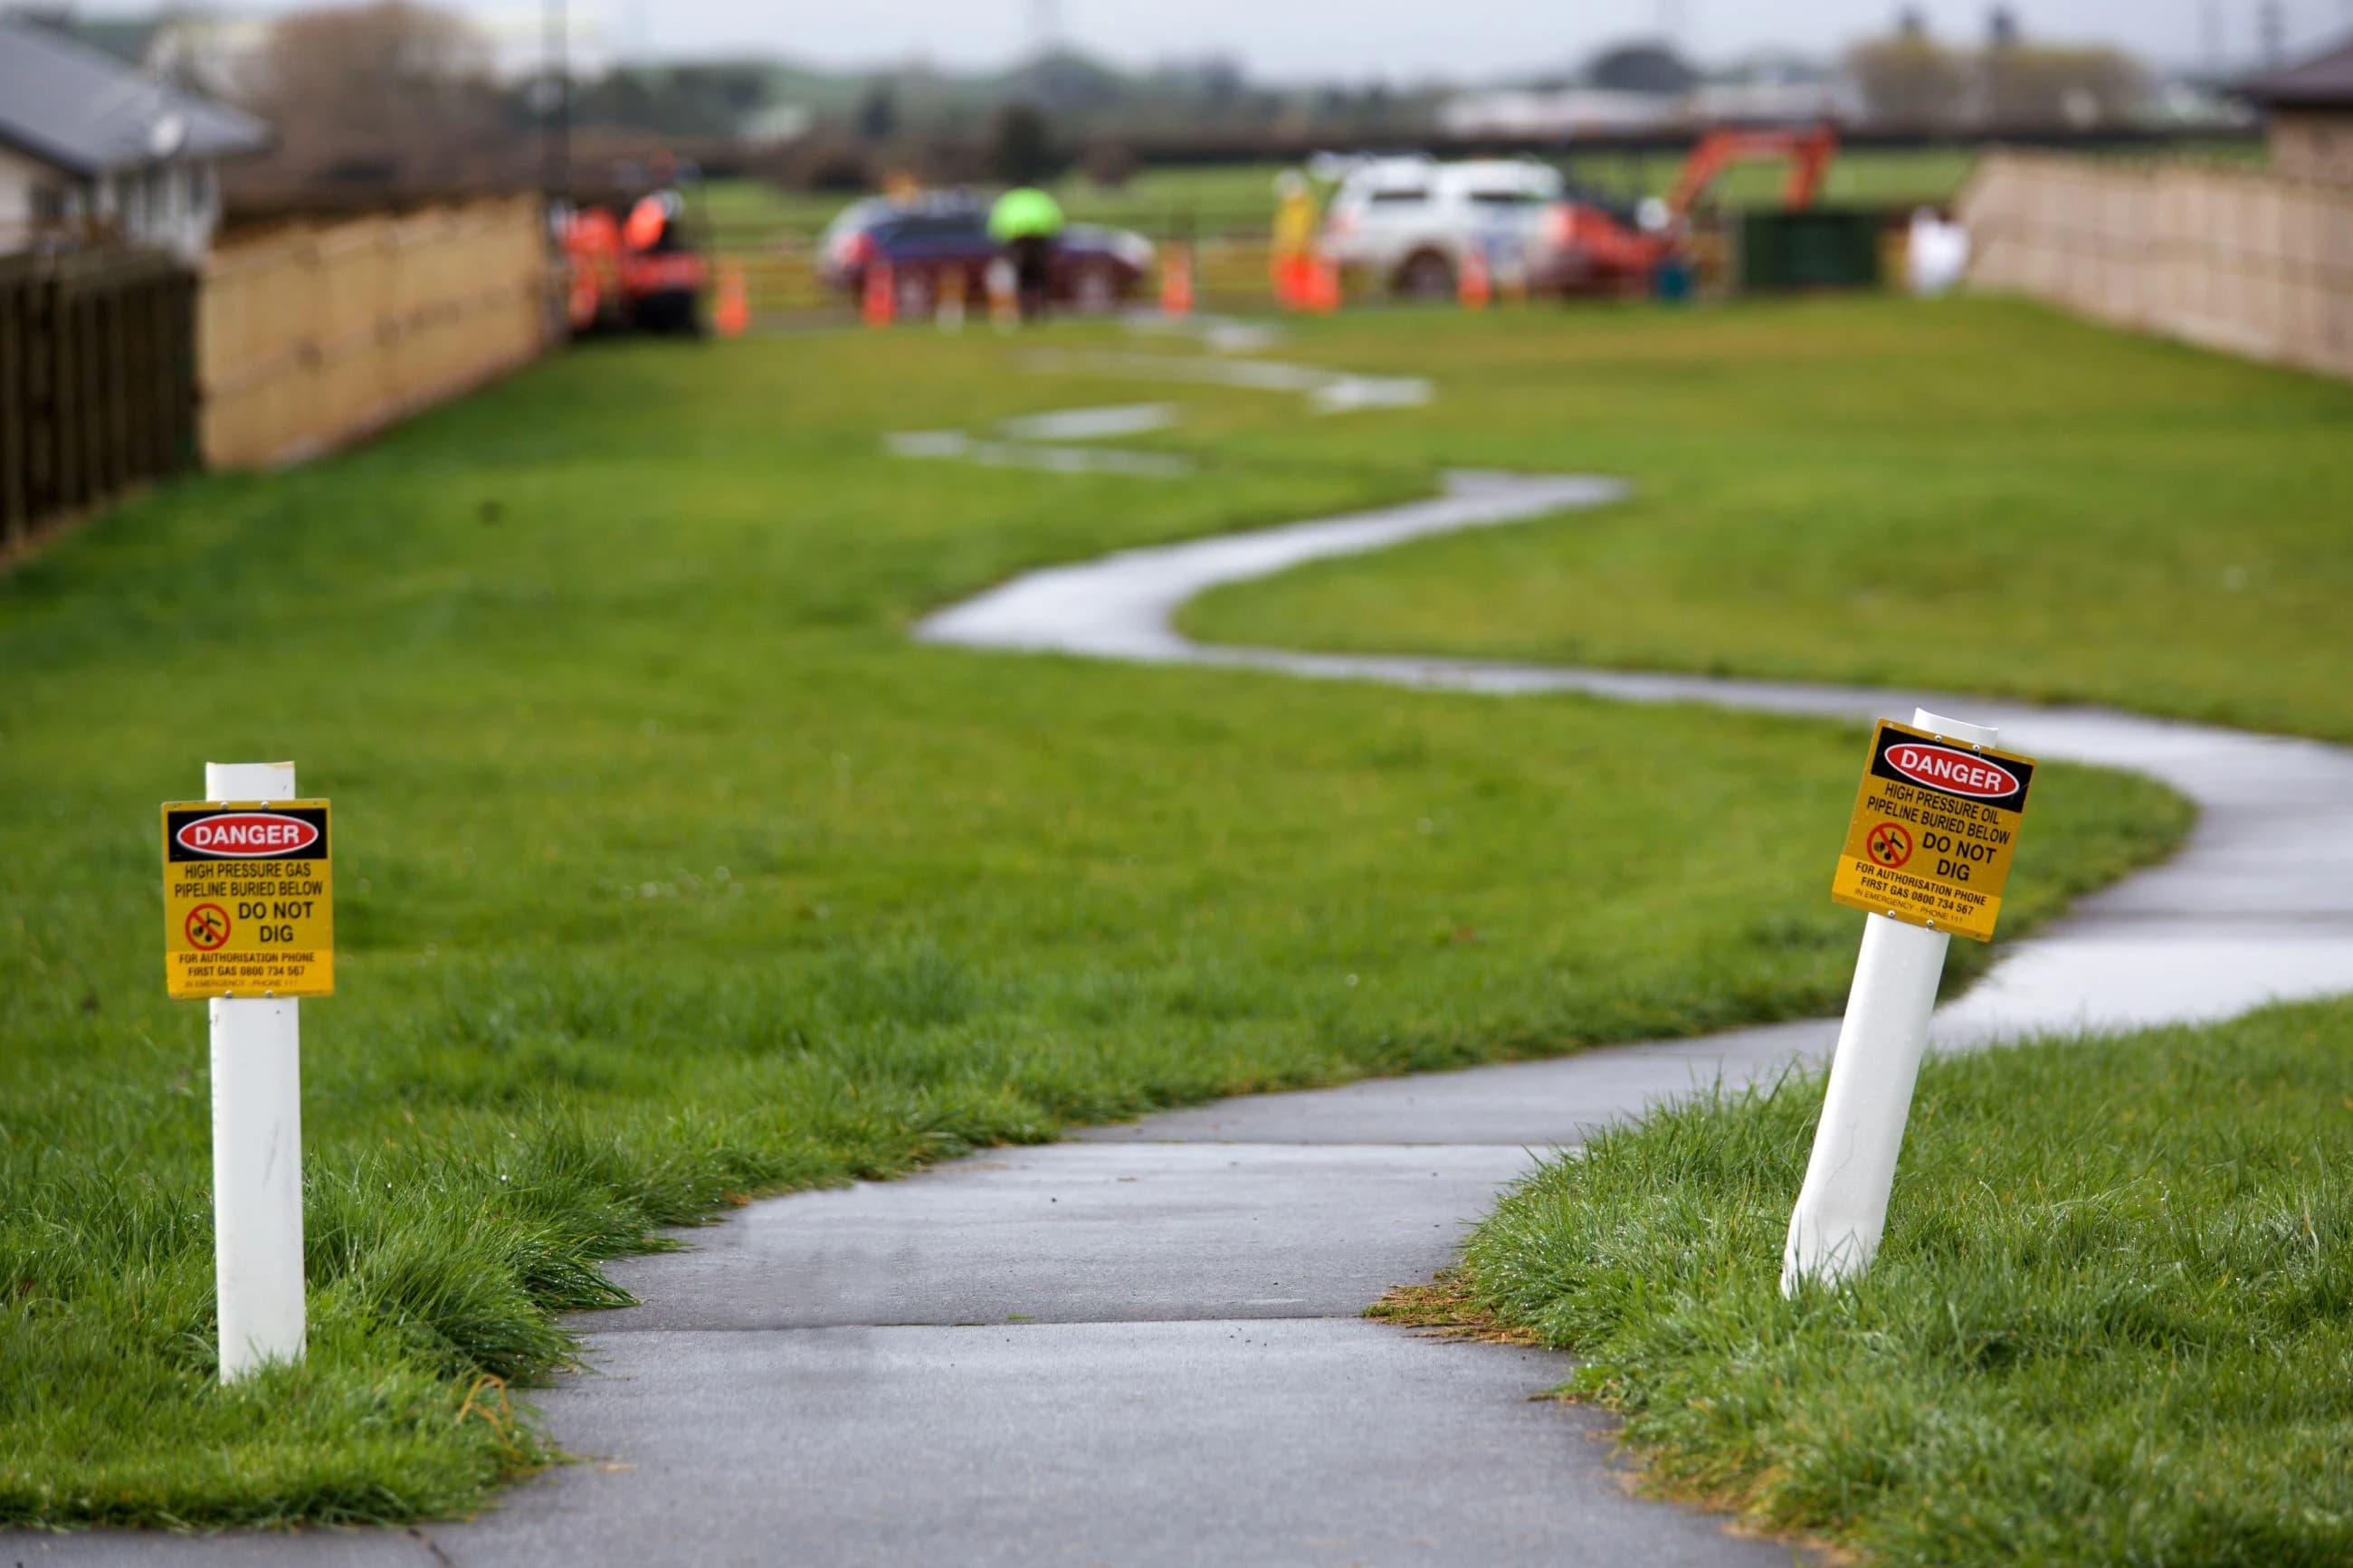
x=1294 y=280
x=880 y=304
x=732 y=314
x=1473 y=287
x=1176 y=281
x=1323 y=286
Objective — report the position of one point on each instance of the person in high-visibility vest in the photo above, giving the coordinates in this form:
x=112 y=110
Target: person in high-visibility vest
x=1026 y=221
x=1293 y=257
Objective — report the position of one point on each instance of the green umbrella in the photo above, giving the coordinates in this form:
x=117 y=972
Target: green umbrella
x=1026 y=213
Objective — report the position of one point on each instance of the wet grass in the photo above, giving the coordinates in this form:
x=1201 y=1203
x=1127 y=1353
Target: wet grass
x=671 y=872
x=2112 y=1321
x=1975 y=495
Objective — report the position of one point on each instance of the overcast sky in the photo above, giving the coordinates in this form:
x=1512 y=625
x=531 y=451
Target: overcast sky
x=1400 y=39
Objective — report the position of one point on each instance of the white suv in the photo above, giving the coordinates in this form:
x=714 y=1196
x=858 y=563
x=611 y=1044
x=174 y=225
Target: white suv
x=1409 y=221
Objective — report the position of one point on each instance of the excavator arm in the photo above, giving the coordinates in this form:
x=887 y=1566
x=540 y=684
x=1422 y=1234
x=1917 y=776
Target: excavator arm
x=1809 y=153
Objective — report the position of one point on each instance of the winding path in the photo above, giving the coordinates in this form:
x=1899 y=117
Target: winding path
x=1142 y=1346
x=2258 y=906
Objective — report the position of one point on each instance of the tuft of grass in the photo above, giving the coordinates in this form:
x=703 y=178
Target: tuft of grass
x=1446 y=1309
x=2112 y=1321
x=671 y=872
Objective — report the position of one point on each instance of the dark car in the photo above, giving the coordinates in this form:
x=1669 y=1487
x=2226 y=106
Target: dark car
x=938 y=247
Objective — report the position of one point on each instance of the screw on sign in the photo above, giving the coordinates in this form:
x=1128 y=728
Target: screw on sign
x=207 y=927
x=1890 y=845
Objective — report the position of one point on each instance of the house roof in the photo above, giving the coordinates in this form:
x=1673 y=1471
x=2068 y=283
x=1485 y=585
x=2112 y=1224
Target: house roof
x=2323 y=81
x=81 y=110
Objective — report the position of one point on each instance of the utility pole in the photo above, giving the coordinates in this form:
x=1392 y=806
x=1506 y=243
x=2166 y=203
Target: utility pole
x=556 y=49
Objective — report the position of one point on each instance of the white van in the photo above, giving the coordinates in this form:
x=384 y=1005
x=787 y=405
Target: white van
x=1407 y=221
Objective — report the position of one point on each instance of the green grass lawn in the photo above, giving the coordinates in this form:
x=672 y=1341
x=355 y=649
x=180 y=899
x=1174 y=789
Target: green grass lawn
x=2111 y=1322
x=670 y=871
x=1970 y=494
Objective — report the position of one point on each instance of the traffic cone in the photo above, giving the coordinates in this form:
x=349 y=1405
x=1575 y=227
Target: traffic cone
x=1176 y=281
x=1294 y=280
x=1474 y=288
x=734 y=314
x=1323 y=286
x=882 y=302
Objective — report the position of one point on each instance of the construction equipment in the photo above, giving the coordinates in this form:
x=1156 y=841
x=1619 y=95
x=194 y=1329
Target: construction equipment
x=1809 y=153
x=1591 y=246
x=637 y=272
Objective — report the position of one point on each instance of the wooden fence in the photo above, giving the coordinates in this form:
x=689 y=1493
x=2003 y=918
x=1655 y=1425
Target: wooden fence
x=309 y=338
x=97 y=381
x=2241 y=260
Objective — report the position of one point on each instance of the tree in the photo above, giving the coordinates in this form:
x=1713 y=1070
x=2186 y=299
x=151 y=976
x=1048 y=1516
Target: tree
x=1021 y=147
x=878 y=115
x=1641 y=67
x=390 y=92
x=1909 y=82
x=2040 y=88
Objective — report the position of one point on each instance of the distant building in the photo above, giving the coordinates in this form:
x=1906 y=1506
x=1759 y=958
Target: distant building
x=777 y=124
x=1775 y=89
x=1560 y=112
x=1765 y=89
x=2310 y=110
x=87 y=143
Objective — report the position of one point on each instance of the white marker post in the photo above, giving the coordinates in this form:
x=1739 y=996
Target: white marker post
x=257 y=1142
x=1842 y=1208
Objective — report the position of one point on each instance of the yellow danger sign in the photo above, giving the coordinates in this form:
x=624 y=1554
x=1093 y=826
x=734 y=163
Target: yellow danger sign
x=249 y=899
x=1934 y=824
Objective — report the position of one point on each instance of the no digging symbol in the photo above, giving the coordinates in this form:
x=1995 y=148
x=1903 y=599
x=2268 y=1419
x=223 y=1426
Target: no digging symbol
x=1890 y=845
x=207 y=927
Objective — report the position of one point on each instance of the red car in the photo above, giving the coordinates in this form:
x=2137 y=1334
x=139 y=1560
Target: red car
x=938 y=247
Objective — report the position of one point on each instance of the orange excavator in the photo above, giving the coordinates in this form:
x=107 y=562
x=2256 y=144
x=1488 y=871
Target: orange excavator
x=1595 y=249
x=1808 y=151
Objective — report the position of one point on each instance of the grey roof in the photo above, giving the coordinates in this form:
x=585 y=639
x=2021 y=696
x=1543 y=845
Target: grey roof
x=2324 y=79
x=80 y=108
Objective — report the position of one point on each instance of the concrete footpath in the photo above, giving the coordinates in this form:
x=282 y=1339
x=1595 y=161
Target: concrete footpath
x=1142 y=1346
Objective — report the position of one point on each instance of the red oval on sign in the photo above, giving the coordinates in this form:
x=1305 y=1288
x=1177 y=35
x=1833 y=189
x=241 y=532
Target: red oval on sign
x=249 y=834
x=1956 y=773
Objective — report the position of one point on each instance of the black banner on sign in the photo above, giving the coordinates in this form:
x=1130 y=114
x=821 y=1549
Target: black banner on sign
x=245 y=833
x=1990 y=778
